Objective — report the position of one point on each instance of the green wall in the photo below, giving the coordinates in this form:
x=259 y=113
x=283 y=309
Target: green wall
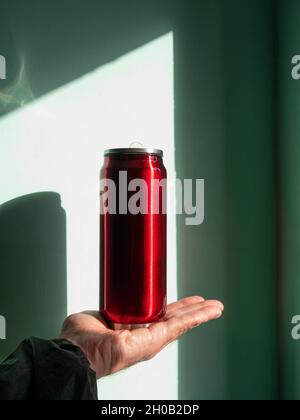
x=289 y=153
x=200 y=148
x=225 y=134
x=250 y=139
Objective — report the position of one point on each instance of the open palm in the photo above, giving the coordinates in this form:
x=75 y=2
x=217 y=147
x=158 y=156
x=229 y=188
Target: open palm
x=110 y=351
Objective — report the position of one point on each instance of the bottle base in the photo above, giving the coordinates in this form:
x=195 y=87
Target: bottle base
x=120 y=327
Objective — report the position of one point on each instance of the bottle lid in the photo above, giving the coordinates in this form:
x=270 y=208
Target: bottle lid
x=134 y=151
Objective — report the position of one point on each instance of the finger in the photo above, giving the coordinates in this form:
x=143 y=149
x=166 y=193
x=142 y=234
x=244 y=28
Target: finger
x=178 y=326
x=194 y=307
x=164 y=333
x=184 y=302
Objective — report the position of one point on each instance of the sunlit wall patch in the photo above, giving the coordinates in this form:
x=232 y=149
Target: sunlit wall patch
x=56 y=143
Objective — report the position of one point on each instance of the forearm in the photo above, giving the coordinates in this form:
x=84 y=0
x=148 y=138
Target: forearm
x=47 y=370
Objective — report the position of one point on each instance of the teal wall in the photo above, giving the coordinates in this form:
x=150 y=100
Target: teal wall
x=200 y=153
x=251 y=236
x=225 y=134
x=288 y=129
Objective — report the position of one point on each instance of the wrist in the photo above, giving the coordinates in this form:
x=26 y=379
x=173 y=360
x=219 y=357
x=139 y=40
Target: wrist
x=69 y=333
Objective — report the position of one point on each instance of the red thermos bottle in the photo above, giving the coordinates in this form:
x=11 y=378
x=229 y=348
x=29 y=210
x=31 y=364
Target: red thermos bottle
x=133 y=238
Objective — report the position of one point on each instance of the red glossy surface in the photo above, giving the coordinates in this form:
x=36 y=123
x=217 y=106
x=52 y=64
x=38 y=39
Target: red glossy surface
x=133 y=250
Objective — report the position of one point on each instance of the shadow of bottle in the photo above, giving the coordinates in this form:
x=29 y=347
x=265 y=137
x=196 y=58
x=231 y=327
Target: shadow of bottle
x=33 y=279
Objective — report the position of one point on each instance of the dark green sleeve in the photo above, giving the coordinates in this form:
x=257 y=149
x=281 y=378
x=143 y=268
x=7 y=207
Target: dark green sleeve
x=47 y=370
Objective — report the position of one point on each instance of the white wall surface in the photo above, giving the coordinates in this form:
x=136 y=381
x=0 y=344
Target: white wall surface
x=56 y=143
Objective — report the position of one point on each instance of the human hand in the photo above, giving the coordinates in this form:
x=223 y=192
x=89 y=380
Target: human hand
x=110 y=351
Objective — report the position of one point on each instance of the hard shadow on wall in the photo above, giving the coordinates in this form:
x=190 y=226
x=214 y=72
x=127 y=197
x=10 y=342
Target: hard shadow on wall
x=33 y=283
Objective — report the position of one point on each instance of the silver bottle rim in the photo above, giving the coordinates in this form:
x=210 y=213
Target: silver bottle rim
x=134 y=151
x=130 y=327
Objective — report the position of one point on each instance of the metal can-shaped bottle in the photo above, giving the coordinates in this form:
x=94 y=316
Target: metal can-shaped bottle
x=133 y=238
